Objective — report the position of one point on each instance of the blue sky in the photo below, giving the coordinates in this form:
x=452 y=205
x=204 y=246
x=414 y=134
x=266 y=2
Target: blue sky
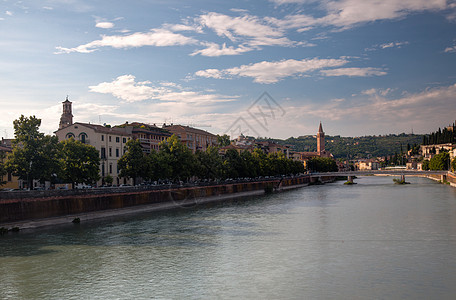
x=360 y=67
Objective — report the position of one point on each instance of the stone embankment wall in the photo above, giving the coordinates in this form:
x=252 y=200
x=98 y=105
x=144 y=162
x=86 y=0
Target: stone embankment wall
x=450 y=178
x=28 y=206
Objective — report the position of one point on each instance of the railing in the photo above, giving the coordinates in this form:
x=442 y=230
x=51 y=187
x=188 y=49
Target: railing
x=23 y=194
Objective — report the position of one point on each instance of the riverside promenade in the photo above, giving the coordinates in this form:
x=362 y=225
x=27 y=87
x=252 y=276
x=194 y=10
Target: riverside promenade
x=29 y=209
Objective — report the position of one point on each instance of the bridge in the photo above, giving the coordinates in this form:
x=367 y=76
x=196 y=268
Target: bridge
x=381 y=172
x=397 y=172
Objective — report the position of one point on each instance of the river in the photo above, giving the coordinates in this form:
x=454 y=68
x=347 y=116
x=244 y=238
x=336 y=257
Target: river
x=372 y=240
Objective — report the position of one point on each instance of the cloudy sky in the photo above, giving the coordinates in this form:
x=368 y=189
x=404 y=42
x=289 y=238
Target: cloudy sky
x=272 y=68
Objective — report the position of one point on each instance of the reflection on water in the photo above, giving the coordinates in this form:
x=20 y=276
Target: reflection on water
x=371 y=240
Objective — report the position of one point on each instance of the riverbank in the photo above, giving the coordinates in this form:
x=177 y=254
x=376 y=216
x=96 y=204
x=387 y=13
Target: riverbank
x=26 y=213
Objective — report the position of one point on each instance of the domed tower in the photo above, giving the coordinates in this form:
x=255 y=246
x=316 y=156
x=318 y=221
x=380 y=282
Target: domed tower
x=320 y=140
x=67 y=117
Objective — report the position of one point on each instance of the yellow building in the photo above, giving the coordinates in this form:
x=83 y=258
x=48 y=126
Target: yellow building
x=11 y=182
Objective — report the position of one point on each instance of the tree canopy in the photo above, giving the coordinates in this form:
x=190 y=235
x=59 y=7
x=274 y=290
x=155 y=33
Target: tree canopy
x=79 y=162
x=175 y=161
x=440 y=161
x=34 y=155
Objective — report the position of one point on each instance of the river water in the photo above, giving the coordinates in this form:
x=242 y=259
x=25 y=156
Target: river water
x=372 y=240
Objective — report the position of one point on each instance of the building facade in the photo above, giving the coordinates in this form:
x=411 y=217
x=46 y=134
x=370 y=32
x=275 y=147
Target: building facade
x=195 y=139
x=150 y=136
x=110 y=143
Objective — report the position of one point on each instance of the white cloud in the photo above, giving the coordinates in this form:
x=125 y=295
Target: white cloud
x=387 y=45
x=348 y=13
x=210 y=73
x=9 y=13
x=372 y=113
x=450 y=49
x=247 y=29
x=155 y=37
x=128 y=89
x=213 y=49
x=183 y=27
x=104 y=25
x=352 y=72
x=271 y=72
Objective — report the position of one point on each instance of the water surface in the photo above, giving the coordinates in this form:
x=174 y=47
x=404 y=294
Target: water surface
x=373 y=240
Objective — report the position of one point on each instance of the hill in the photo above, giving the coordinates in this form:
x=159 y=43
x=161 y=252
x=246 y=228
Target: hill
x=355 y=147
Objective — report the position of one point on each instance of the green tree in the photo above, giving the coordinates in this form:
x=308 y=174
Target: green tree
x=80 y=162
x=233 y=164
x=157 y=166
x=322 y=164
x=453 y=165
x=223 y=140
x=3 y=171
x=425 y=165
x=440 y=161
x=133 y=163
x=34 y=155
x=209 y=163
x=178 y=157
x=108 y=180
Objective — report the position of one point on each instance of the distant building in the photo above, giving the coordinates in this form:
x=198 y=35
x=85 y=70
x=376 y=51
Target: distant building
x=149 y=136
x=195 y=139
x=368 y=165
x=321 y=152
x=238 y=148
x=271 y=147
x=428 y=151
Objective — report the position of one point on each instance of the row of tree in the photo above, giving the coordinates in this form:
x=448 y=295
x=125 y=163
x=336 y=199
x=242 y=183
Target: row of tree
x=174 y=161
x=447 y=135
x=36 y=156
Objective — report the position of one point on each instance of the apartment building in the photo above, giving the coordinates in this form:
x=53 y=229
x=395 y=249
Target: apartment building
x=195 y=139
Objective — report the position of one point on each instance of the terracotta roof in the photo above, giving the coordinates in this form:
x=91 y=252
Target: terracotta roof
x=103 y=129
x=231 y=146
x=187 y=128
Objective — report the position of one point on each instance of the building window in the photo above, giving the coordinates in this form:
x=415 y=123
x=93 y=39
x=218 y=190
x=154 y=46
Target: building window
x=10 y=177
x=117 y=139
x=117 y=152
x=102 y=137
x=69 y=135
x=110 y=168
x=110 y=152
x=102 y=170
x=109 y=138
x=124 y=140
x=83 y=137
x=103 y=153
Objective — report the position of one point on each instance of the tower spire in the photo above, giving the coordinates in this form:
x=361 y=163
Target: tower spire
x=320 y=140
x=66 y=118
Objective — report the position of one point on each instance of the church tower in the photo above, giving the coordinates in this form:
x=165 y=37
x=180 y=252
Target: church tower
x=320 y=140
x=67 y=117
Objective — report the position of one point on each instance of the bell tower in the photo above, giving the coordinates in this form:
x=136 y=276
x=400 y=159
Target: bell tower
x=320 y=140
x=67 y=117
